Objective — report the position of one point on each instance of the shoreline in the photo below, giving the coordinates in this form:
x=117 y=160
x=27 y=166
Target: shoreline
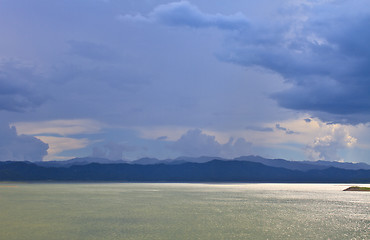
x=358 y=189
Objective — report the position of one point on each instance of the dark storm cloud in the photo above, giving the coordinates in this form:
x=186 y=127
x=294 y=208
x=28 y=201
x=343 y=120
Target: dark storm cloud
x=19 y=87
x=322 y=51
x=326 y=61
x=14 y=147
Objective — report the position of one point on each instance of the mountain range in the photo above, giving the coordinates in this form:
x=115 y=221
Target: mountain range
x=282 y=163
x=187 y=169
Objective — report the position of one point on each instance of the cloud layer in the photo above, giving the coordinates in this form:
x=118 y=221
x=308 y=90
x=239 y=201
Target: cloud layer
x=76 y=76
x=184 y=13
x=195 y=143
x=14 y=147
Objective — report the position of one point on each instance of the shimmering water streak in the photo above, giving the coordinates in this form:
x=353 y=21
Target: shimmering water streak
x=182 y=211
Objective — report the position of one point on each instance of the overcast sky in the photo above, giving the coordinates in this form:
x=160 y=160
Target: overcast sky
x=156 y=78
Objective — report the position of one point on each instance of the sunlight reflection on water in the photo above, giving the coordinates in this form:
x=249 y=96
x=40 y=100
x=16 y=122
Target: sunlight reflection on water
x=183 y=211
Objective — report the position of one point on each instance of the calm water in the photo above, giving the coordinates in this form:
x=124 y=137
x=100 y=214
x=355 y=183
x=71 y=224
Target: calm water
x=182 y=211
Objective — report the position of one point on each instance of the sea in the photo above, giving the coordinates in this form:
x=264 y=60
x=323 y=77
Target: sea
x=175 y=211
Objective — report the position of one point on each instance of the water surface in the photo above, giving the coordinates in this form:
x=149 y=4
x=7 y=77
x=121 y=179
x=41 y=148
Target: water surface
x=182 y=211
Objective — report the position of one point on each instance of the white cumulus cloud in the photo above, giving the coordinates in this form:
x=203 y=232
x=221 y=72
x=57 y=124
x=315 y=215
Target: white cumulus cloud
x=326 y=147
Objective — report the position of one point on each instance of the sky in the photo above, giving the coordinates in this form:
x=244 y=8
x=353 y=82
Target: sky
x=130 y=79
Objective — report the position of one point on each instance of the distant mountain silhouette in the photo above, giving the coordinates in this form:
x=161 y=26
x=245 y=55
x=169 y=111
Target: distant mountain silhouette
x=344 y=165
x=77 y=161
x=292 y=165
x=211 y=171
x=303 y=165
x=145 y=161
x=179 y=160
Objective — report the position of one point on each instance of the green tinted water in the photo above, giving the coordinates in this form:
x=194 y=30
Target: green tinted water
x=182 y=211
